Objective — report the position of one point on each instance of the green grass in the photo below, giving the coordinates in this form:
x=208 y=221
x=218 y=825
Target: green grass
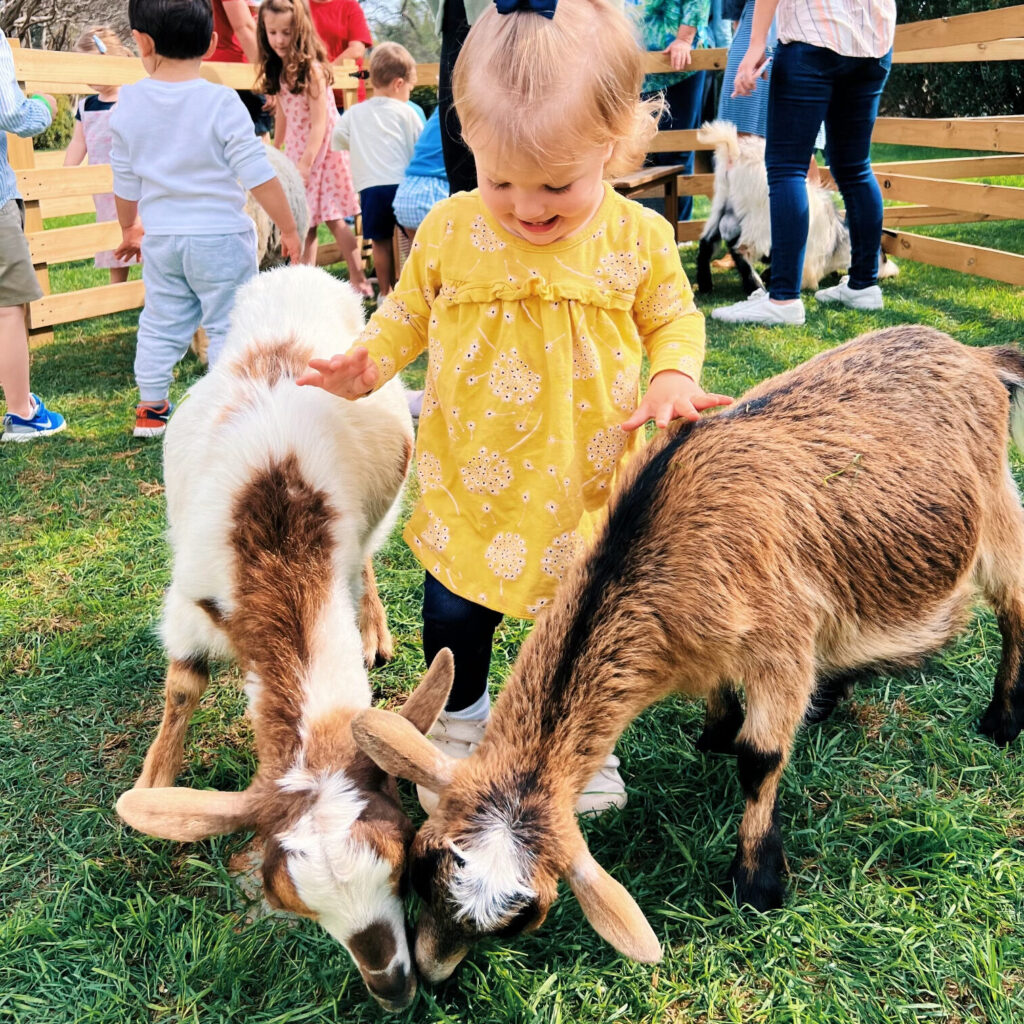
x=904 y=828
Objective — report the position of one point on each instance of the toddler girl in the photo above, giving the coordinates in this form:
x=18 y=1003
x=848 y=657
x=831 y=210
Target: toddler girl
x=536 y=297
x=92 y=134
x=293 y=67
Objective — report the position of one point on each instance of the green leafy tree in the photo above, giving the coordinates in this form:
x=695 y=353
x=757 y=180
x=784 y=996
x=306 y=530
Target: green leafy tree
x=409 y=22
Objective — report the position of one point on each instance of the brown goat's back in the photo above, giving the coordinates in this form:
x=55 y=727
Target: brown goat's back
x=849 y=502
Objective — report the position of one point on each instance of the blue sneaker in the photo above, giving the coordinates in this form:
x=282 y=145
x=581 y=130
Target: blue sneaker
x=151 y=420
x=41 y=423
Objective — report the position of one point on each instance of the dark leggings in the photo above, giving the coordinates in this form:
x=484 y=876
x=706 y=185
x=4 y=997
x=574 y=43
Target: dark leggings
x=467 y=629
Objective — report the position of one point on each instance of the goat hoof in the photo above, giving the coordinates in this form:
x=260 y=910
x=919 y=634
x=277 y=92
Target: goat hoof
x=763 y=889
x=1000 y=727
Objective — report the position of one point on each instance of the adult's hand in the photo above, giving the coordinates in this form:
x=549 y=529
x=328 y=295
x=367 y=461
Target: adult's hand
x=680 y=54
x=752 y=67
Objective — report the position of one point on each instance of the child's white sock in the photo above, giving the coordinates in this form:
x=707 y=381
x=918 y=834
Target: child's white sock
x=478 y=711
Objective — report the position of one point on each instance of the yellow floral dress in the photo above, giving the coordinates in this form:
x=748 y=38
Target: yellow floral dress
x=534 y=361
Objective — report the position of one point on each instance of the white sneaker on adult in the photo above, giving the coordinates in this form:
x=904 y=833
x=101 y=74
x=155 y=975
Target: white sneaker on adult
x=459 y=737
x=758 y=308
x=855 y=298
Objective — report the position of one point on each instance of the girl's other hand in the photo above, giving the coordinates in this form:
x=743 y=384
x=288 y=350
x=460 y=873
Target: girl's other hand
x=672 y=396
x=351 y=375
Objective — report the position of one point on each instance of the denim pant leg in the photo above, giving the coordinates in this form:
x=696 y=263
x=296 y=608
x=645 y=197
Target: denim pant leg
x=169 y=317
x=684 y=100
x=856 y=91
x=467 y=629
x=216 y=267
x=798 y=99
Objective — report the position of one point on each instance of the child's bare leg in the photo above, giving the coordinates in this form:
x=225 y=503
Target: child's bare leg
x=118 y=275
x=309 y=249
x=346 y=239
x=14 y=360
x=383 y=261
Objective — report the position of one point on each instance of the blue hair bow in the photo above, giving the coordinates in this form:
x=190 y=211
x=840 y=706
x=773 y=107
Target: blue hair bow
x=545 y=7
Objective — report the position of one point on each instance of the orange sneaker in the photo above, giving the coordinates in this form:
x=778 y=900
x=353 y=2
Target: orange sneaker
x=151 y=418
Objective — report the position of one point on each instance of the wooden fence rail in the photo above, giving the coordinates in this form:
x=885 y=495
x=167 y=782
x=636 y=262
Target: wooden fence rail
x=933 y=190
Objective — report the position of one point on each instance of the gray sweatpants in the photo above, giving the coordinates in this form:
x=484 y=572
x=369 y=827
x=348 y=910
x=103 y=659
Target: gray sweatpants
x=190 y=280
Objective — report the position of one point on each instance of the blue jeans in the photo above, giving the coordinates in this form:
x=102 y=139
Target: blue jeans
x=684 y=101
x=467 y=630
x=810 y=84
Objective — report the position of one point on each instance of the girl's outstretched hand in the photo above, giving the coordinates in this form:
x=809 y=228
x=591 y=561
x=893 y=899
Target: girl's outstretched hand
x=351 y=375
x=672 y=396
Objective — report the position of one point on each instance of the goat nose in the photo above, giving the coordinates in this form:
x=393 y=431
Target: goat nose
x=435 y=963
x=395 y=990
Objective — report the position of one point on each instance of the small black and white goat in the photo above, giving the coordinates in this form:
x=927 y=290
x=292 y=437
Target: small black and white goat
x=740 y=216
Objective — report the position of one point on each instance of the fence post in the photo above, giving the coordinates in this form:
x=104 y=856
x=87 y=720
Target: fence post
x=22 y=157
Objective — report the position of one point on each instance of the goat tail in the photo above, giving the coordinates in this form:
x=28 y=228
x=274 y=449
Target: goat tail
x=1008 y=362
x=723 y=136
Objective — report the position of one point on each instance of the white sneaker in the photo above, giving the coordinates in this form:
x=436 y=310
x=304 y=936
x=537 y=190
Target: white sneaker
x=604 y=791
x=455 y=737
x=855 y=298
x=758 y=308
x=459 y=737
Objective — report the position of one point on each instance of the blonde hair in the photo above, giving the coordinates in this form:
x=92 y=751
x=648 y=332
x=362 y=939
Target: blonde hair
x=553 y=87
x=389 y=62
x=110 y=42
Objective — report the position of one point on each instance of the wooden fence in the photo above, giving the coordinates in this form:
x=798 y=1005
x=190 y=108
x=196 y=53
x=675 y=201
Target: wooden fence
x=934 y=189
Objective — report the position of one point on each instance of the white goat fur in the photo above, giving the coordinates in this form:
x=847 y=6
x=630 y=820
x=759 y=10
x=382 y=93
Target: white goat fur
x=339 y=445
x=740 y=211
x=334 y=833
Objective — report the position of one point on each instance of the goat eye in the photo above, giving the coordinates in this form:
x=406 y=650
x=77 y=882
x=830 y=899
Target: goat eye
x=524 y=917
x=421 y=874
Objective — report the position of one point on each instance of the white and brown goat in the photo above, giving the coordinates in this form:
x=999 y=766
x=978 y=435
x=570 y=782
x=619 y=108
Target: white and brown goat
x=740 y=216
x=277 y=496
x=840 y=516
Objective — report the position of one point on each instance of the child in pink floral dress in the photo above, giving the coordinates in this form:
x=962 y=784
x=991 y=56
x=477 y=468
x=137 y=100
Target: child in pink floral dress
x=92 y=135
x=294 y=70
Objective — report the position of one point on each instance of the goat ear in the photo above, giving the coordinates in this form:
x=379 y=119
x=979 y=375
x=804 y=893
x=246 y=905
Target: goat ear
x=611 y=911
x=427 y=701
x=397 y=746
x=185 y=814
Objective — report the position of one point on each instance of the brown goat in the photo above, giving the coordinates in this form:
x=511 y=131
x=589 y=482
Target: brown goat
x=840 y=516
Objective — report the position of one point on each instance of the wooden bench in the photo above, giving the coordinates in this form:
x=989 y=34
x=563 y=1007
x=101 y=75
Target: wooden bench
x=650 y=178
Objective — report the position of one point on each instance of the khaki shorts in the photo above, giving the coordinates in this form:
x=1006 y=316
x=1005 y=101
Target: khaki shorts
x=18 y=281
